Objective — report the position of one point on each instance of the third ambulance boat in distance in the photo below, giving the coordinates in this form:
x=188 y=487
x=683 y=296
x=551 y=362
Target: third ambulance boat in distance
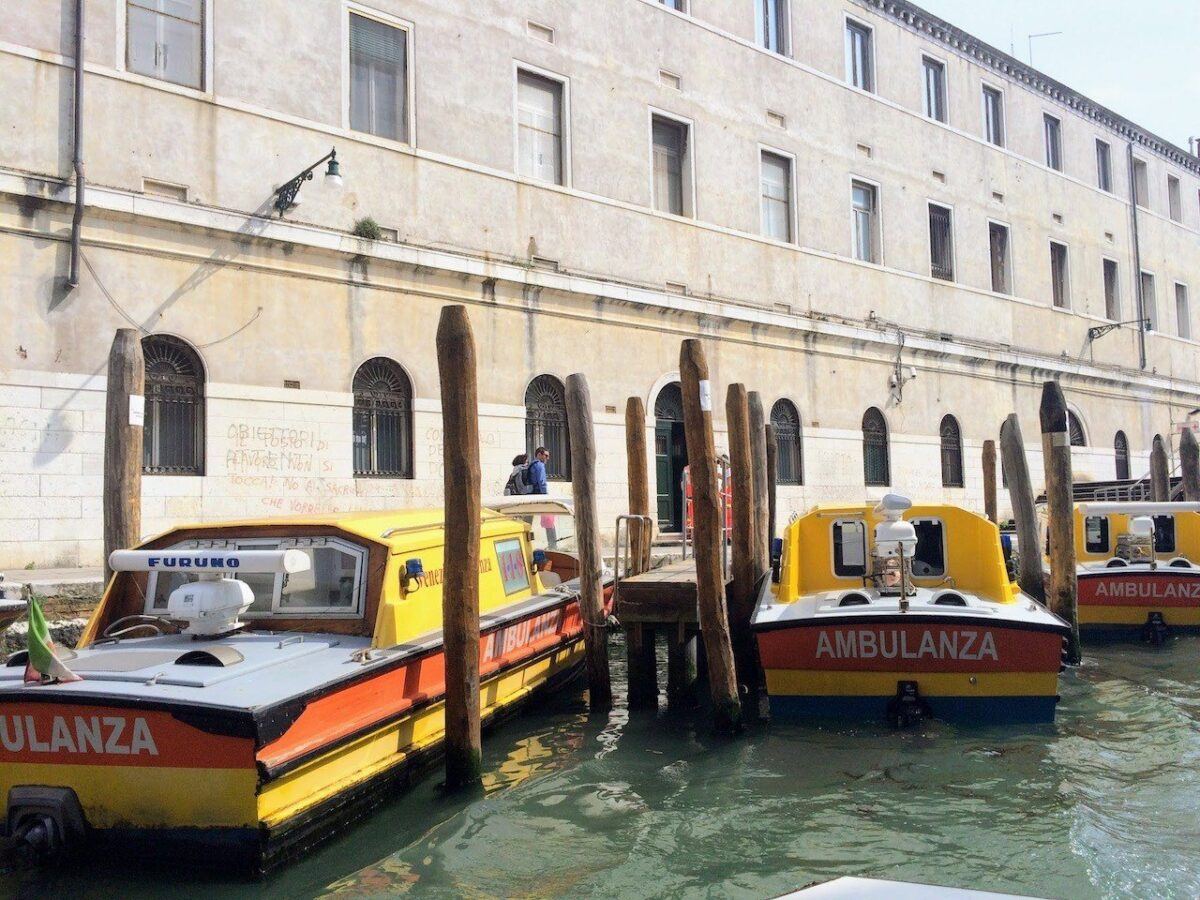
x=899 y=612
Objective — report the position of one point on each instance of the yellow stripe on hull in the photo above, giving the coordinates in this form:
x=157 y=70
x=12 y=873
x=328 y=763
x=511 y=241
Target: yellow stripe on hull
x=1183 y=616
x=149 y=797
x=817 y=683
x=373 y=754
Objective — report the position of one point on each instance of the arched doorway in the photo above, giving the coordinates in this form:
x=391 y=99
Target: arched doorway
x=670 y=456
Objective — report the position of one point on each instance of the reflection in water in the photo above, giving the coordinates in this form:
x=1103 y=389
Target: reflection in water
x=1104 y=803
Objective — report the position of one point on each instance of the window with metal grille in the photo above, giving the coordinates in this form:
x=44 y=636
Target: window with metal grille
x=164 y=39
x=1075 y=430
x=941 y=243
x=860 y=68
x=789 y=444
x=378 y=78
x=539 y=127
x=383 y=428
x=1053 y=133
x=1121 y=450
x=776 y=187
x=1112 y=297
x=771 y=16
x=934 y=73
x=1001 y=264
x=670 y=140
x=546 y=425
x=993 y=116
x=1060 y=284
x=1103 y=166
x=173 y=435
x=863 y=208
x=952 y=453
x=876 y=466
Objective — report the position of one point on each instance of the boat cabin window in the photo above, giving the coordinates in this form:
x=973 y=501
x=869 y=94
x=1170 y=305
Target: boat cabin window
x=514 y=571
x=1164 y=534
x=929 y=560
x=850 y=548
x=1095 y=534
x=333 y=587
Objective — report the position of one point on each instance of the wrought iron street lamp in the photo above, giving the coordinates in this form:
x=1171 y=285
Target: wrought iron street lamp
x=1098 y=331
x=287 y=196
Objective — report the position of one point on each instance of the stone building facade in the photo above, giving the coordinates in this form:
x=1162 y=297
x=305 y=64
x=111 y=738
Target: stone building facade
x=892 y=231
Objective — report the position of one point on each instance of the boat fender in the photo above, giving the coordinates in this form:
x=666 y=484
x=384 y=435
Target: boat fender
x=44 y=822
x=1180 y=562
x=1156 y=631
x=1116 y=563
x=908 y=707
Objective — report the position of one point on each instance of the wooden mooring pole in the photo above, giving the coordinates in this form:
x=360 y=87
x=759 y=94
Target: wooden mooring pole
x=639 y=640
x=1020 y=495
x=1160 y=470
x=746 y=503
x=989 y=482
x=587 y=532
x=1189 y=465
x=758 y=456
x=772 y=483
x=1060 y=512
x=460 y=591
x=706 y=506
x=124 y=414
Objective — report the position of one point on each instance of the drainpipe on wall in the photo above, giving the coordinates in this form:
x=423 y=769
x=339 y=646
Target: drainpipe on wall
x=77 y=152
x=1137 y=263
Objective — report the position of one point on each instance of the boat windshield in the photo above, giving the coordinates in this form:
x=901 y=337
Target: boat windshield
x=332 y=587
x=553 y=531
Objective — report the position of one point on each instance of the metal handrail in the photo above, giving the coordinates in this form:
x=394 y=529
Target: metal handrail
x=625 y=563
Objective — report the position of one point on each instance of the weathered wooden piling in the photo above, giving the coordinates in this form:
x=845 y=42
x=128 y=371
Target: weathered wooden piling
x=746 y=503
x=1189 y=465
x=758 y=455
x=587 y=536
x=1020 y=494
x=681 y=666
x=1160 y=470
x=460 y=590
x=772 y=482
x=706 y=511
x=1060 y=512
x=639 y=639
x=124 y=413
x=989 y=481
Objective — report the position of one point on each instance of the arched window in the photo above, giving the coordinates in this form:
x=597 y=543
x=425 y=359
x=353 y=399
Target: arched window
x=668 y=405
x=876 y=468
x=173 y=436
x=952 y=452
x=383 y=429
x=1075 y=429
x=1121 y=448
x=546 y=425
x=789 y=445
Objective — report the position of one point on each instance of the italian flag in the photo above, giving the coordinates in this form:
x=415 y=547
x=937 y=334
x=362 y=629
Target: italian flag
x=43 y=666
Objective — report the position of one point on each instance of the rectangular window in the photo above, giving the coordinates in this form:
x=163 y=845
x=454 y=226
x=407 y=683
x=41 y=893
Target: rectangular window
x=776 y=189
x=378 y=78
x=1060 y=279
x=865 y=210
x=1095 y=530
x=670 y=139
x=1053 y=128
x=539 y=127
x=1174 y=200
x=993 y=116
x=1149 y=302
x=929 y=559
x=1000 y=259
x=1141 y=184
x=859 y=64
x=941 y=242
x=850 y=548
x=934 y=73
x=1103 y=166
x=673 y=4
x=1183 y=313
x=514 y=571
x=164 y=39
x=772 y=21
x=1112 y=296
x=1164 y=534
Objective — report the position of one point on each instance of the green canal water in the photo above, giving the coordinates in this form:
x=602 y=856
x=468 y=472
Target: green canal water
x=1105 y=803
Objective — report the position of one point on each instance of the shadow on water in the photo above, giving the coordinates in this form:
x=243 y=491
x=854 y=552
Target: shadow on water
x=1103 y=803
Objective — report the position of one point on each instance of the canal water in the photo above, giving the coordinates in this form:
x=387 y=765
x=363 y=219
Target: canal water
x=1105 y=803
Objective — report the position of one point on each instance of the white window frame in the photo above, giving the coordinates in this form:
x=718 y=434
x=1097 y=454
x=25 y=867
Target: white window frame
x=1068 y=294
x=1062 y=161
x=1140 y=201
x=849 y=20
x=930 y=201
x=860 y=522
x=878 y=235
x=564 y=83
x=792 y=213
x=689 y=191
x=1120 y=303
x=1111 y=189
x=1149 y=309
x=1187 y=299
x=206 y=43
x=984 y=87
x=1012 y=269
x=945 y=64
x=683 y=7
x=350 y=7
x=1174 y=198
x=759 y=25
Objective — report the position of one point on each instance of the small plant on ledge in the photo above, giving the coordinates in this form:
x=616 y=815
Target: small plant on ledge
x=367 y=228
